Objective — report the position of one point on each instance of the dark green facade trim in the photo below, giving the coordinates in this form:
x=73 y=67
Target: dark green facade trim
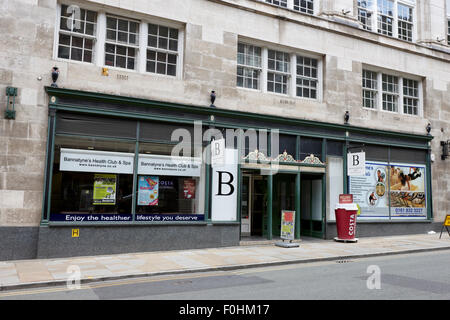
x=216 y=112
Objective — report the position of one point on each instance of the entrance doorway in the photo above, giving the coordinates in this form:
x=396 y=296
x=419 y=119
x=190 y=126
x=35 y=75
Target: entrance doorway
x=253 y=205
x=283 y=198
x=311 y=214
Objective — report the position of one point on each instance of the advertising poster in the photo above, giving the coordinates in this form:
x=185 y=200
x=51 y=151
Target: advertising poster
x=148 y=191
x=407 y=192
x=371 y=191
x=287 y=225
x=104 y=189
x=189 y=189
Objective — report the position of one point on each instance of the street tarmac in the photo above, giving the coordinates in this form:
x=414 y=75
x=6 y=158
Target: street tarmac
x=423 y=276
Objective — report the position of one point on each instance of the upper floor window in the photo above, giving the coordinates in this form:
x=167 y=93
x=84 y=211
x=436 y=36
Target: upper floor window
x=280 y=3
x=277 y=71
x=121 y=45
x=77 y=29
x=393 y=93
x=370 y=88
x=405 y=22
x=385 y=17
x=162 y=51
x=447 y=4
x=305 y=6
x=365 y=13
x=448 y=31
x=249 y=66
x=307 y=77
x=118 y=41
x=394 y=18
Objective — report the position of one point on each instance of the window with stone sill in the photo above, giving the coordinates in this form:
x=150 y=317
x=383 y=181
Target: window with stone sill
x=277 y=71
x=77 y=29
x=162 y=50
x=122 y=42
x=280 y=3
x=249 y=66
x=370 y=86
x=391 y=93
x=304 y=6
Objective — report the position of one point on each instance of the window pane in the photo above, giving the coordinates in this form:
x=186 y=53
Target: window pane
x=63 y=52
x=76 y=54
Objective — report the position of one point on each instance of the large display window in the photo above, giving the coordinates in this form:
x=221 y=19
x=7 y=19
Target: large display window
x=92 y=180
x=392 y=189
x=100 y=180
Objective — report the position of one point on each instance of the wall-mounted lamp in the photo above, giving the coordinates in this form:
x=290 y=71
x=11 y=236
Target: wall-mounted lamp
x=445 y=149
x=10 y=112
x=345 y=12
x=439 y=39
x=429 y=128
x=346 y=117
x=55 y=75
x=213 y=98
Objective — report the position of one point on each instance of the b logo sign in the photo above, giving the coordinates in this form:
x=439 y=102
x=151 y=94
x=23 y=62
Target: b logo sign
x=356 y=163
x=222 y=182
x=224 y=197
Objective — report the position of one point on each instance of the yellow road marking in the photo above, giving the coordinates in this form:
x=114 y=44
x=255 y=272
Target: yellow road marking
x=104 y=285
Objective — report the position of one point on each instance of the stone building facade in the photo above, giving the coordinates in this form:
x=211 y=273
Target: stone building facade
x=403 y=62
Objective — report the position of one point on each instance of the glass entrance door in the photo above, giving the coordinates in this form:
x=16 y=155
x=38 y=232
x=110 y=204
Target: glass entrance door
x=311 y=216
x=253 y=205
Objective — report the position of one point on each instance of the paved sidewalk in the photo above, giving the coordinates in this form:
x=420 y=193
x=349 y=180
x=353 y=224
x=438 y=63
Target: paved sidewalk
x=35 y=273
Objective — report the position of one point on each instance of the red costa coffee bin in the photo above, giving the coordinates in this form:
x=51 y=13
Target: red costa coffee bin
x=346 y=215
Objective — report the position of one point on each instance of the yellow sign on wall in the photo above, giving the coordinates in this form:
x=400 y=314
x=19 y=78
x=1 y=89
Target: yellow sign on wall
x=447 y=221
x=75 y=233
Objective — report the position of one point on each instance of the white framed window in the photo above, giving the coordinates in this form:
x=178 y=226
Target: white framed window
x=162 y=50
x=249 y=66
x=385 y=10
x=280 y=3
x=410 y=97
x=448 y=30
x=121 y=43
x=365 y=13
x=269 y=69
x=307 y=77
x=77 y=33
x=394 y=18
x=405 y=22
x=108 y=39
x=370 y=89
x=391 y=92
x=304 y=6
x=447 y=9
x=278 y=71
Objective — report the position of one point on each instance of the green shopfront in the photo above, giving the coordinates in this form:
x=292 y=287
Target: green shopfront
x=112 y=174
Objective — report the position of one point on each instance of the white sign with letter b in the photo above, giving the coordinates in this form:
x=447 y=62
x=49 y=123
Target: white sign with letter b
x=356 y=164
